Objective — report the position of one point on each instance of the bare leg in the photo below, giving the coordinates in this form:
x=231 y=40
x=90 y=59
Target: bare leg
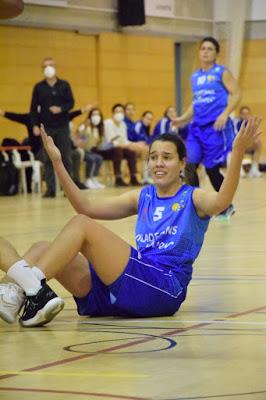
x=8 y=255
x=258 y=149
x=108 y=253
x=75 y=277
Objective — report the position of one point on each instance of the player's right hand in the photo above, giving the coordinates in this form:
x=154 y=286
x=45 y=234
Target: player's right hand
x=48 y=143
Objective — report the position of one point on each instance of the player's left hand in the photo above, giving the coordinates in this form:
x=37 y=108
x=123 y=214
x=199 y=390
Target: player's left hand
x=48 y=143
x=220 y=122
x=55 y=109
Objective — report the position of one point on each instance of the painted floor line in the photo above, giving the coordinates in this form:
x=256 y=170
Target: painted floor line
x=172 y=332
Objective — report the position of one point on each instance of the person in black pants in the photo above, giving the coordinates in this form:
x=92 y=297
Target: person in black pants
x=52 y=99
x=25 y=119
x=36 y=143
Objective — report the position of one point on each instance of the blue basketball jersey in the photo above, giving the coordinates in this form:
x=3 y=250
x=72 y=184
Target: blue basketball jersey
x=210 y=96
x=162 y=126
x=130 y=128
x=169 y=230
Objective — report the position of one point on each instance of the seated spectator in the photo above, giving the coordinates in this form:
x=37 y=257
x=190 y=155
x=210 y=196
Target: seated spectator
x=24 y=119
x=165 y=125
x=35 y=141
x=140 y=139
x=85 y=138
x=77 y=154
x=142 y=128
x=115 y=134
x=128 y=119
x=254 y=151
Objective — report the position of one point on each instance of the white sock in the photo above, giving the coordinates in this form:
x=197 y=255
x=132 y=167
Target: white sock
x=23 y=275
x=38 y=273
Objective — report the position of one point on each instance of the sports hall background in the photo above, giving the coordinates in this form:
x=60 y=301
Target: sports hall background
x=105 y=63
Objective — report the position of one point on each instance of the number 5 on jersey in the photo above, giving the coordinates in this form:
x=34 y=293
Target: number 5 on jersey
x=158 y=213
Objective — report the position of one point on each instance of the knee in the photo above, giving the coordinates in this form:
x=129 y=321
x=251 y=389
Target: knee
x=40 y=246
x=80 y=221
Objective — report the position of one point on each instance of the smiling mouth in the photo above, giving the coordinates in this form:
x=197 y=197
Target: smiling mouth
x=159 y=173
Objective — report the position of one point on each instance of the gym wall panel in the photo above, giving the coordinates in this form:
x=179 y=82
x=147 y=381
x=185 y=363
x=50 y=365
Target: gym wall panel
x=138 y=69
x=21 y=53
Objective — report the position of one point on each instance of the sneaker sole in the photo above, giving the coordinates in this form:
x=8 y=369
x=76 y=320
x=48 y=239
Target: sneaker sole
x=46 y=314
x=6 y=317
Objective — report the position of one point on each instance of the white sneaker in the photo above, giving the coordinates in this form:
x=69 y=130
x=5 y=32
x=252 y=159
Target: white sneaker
x=11 y=300
x=98 y=184
x=254 y=172
x=90 y=184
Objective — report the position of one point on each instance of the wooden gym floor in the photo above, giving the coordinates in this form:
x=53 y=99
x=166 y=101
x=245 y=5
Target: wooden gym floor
x=214 y=348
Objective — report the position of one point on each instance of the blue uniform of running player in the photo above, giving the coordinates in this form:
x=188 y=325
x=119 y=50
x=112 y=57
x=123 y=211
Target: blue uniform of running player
x=169 y=236
x=204 y=143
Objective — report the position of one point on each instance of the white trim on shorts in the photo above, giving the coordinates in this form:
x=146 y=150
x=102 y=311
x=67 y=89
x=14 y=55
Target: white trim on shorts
x=147 y=283
x=154 y=287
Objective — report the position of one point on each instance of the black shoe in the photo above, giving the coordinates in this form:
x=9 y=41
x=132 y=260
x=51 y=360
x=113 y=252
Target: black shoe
x=80 y=185
x=119 y=182
x=134 y=181
x=48 y=194
x=41 y=308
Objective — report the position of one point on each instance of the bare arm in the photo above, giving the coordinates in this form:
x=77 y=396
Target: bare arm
x=209 y=203
x=231 y=85
x=116 y=207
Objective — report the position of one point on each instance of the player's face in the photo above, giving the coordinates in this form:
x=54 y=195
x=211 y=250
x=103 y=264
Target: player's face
x=164 y=164
x=130 y=111
x=207 y=52
x=147 y=120
x=171 y=113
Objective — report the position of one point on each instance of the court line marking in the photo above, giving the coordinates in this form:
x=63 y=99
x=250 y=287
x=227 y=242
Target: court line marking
x=183 y=321
x=108 y=395
x=85 y=374
x=130 y=344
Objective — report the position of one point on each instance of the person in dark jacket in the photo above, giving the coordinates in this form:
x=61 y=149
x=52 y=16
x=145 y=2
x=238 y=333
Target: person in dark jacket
x=52 y=100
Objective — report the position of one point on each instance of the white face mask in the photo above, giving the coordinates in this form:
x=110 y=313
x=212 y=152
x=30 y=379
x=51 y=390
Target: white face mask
x=95 y=120
x=118 y=117
x=49 y=71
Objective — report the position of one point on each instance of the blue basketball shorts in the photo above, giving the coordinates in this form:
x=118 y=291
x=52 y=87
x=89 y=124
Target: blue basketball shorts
x=143 y=290
x=209 y=146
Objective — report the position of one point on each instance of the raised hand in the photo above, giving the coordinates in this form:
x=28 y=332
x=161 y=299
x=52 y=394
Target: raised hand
x=177 y=122
x=48 y=143
x=248 y=134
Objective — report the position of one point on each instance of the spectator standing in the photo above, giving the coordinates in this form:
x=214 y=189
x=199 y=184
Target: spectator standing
x=52 y=99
